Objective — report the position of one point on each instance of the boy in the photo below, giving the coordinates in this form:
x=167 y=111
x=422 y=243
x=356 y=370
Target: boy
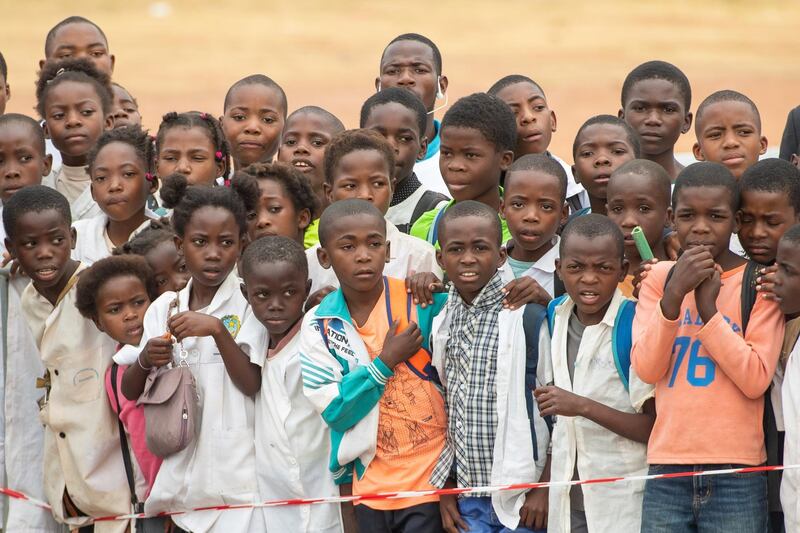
x=728 y=129
x=75 y=412
x=360 y=164
x=536 y=124
x=480 y=354
x=534 y=207
x=711 y=362
x=639 y=195
x=413 y=62
x=603 y=144
x=5 y=88
x=292 y=441
x=656 y=99
x=307 y=132
x=770 y=198
x=366 y=368
x=254 y=114
x=400 y=117
x=479 y=134
x=605 y=412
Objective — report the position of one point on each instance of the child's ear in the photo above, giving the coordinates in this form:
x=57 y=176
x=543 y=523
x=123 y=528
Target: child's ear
x=575 y=175
x=41 y=63
x=327 y=190
x=553 y=121
x=423 y=146
x=178 y=244
x=48 y=165
x=698 y=152
x=506 y=159
x=502 y=256
x=687 y=122
x=795 y=160
x=764 y=144
x=558 y=269
x=388 y=252
x=243 y=288
x=668 y=218
x=564 y=214
x=97 y=324
x=109 y=122
x=9 y=247
x=220 y=169
x=377 y=83
x=502 y=208
x=624 y=272
x=73 y=234
x=323 y=258
x=46 y=131
x=304 y=219
x=113 y=62
x=153 y=183
x=308 y=290
x=439 y=259
x=621 y=114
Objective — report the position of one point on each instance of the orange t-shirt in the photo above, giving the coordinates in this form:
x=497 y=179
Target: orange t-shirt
x=710 y=381
x=412 y=425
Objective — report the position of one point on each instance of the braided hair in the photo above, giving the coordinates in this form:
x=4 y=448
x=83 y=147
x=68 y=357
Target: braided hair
x=204 y=121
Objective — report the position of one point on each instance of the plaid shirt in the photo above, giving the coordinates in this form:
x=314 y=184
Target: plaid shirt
x=470 y=367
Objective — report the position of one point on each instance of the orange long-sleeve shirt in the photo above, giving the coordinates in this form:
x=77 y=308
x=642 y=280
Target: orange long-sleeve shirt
x=710 y=381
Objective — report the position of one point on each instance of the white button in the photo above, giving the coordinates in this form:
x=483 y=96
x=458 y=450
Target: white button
x=292 y=461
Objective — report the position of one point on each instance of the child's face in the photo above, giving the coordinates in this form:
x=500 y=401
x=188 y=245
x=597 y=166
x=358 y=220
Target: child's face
x=22 y=162
x=470 y=164
x=189 y=151
x=533 y=208
x=601 y=149
x=728 y=133
x=303 y=146
x=470 y=254
x=357 y=253
x=124 y=109
x=169 y=267
x=275 y=214
x=5 y=94
x=591 y=270
x=536 y=122
x=253 y=122
x=277 y=293
x=121 y=303
x=655 y=109
x=633 y=202
x=118 y=183
x=703 y=216
x=82 y=40
x=410 y=65
x=42 y=244
x=787 y=282
x=398 y=124
x=764 y=217
x=363 y=174
x=74 y=120
x=210 y=245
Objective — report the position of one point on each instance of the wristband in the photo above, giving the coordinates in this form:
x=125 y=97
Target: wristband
x=641 y=244
x=145 y=368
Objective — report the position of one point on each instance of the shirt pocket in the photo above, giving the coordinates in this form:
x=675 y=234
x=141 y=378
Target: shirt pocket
x=85 y=385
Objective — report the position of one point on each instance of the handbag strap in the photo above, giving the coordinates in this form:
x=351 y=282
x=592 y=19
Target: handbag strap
x=123 y=443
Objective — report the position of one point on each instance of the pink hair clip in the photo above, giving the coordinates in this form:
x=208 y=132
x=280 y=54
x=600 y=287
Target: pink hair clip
x=218 y=155
x=227 y=182
x=203 y=116
x=149 y=177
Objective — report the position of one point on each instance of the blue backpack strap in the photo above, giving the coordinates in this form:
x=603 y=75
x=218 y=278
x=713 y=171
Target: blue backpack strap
x=433 y=232
x=551 y=311
x=622 y=340
x=533 y=317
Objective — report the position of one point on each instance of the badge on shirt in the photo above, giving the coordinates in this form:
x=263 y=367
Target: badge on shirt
x=232 y=324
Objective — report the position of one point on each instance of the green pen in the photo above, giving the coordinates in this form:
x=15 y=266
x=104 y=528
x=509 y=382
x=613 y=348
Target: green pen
x=645 y=253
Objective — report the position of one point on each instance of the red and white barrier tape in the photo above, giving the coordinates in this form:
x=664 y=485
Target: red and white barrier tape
x=414 y=494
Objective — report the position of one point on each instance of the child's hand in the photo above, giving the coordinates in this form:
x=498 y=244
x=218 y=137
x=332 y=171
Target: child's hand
x=692 y=268
x=15 y=269
x=451 y=518
x=555 y=401
x=767 y=281
x=399 y=347
x=523 y=291
x=316 y=297
x=672 y=246
x=533 y=514
x=706 y=293
x=157 y=352
x=422 y=285
x=192 y=324
x=640 y=273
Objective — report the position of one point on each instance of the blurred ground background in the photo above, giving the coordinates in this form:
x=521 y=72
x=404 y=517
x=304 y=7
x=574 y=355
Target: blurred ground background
x=183 y=54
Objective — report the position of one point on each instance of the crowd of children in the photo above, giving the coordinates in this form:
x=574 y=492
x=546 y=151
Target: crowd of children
x=267 y=306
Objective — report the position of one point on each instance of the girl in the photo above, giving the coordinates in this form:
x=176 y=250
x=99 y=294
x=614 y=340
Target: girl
x=115 y=293
x=157 y=245
x=286 y=201
x=218 y=466
x=192 y=144
x=74 y=100
x=120 y=168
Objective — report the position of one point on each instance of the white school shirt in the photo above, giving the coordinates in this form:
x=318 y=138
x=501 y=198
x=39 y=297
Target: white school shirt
x=93 y=243
x=292 y=440
x=573 y=187
x=430 y=175
x=790 y=395
x=600 y=453
x=407 y=255
x=403 y=212
x=542 y=271
x=218 y=466
x=83 y=206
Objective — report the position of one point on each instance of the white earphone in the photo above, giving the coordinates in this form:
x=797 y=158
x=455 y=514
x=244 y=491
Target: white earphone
x=439 y=91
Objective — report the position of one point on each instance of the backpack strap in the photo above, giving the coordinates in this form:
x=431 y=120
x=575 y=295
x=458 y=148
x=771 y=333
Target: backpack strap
x=429 y=200
x=551 y=311
x=749 y=293
x=123 y=444
x=433 y=232
x=622 y=340
x=533 y=317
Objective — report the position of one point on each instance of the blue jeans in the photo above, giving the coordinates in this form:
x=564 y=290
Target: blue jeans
x=480 y=517
x=731 y=503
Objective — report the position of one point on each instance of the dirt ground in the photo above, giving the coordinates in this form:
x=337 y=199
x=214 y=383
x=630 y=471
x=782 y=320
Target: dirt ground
x=184 y=54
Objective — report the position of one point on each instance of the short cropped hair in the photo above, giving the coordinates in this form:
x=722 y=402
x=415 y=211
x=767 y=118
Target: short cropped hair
x=51 y=35
x=352 y=141
x=659 y=70
x=400 y=96
x=726 y=95
x=437 y=55
x=345 y=208
x=592 y=226
x=34 y=199
x=773 y=175
x=630 y=133
x=471 y=208
x=792 y=235
x=658 y=176
x=274 y=249
x=512 y=79
x=487 y=114
x=707 y=174
x=336 y=124
x=105 y=270
x=258 y=79
x=3 y=67
x=37 y=133
x=541 y=163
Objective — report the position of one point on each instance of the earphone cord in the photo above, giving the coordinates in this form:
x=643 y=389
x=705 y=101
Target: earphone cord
x=435 y=109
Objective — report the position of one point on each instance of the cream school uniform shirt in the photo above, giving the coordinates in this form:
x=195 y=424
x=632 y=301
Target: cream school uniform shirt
x=93 y=243
x=218 y=466
x=292 y=440
x=74 y=184
x=790 y=396
x=408 y=255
